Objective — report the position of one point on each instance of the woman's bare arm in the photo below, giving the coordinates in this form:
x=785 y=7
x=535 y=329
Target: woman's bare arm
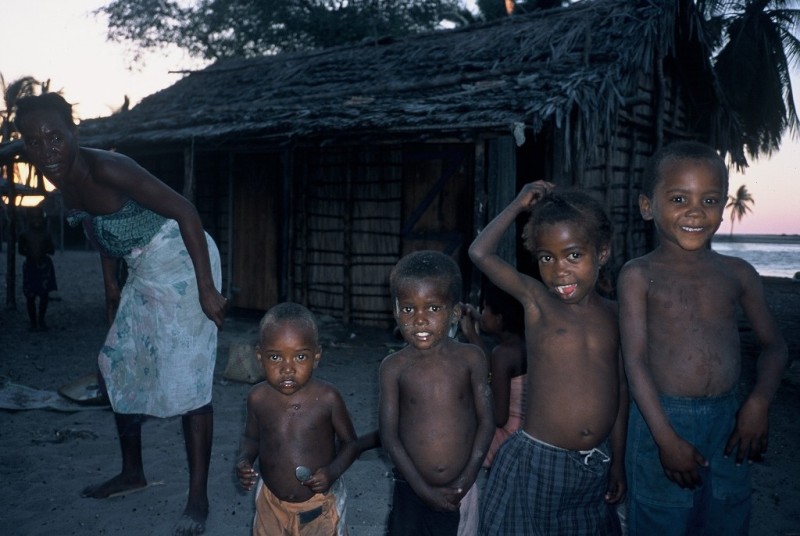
x=128 y=178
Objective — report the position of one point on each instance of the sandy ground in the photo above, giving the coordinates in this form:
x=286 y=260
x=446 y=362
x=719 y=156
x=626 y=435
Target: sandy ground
x=47 y=457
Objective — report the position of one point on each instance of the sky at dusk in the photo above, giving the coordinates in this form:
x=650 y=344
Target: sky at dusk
x=63 y=41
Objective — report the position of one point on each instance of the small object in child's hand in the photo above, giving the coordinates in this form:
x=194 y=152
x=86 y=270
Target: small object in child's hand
x=302 y=473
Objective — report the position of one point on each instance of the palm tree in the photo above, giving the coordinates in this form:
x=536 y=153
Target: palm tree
x=739 y=204
x=755 y=49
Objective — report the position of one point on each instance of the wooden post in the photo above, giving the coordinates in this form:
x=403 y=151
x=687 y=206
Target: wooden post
x=303 y=232
x=479 y=215
x=188 y=172
x=347 y=230
x=287 y=217
x=631 y=200
x=660 y=89
x=11 y=257
x=502 y=176
x=229 y=248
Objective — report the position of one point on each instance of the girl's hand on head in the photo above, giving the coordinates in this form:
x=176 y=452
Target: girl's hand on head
x=533 y=192
x=246 y=474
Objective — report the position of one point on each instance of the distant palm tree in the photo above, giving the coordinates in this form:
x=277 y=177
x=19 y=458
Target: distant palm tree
x=756 y=46
x=739 y=204
x=22 y=87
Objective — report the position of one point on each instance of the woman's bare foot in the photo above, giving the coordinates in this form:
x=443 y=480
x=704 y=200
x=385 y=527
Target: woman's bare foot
x=191 y=524
x=119 y=485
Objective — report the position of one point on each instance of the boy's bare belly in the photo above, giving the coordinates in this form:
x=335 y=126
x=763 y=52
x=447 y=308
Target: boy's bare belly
x=692 y=357
x=696 y=373
x=439 y=441
x=573 y=416
x=282 y=482
x=288 y=443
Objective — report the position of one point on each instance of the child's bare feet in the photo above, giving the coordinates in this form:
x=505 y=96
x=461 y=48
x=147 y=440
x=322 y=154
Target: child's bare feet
x=119 y=485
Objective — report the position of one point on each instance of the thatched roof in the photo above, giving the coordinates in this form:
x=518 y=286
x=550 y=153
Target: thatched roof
x=477 y=80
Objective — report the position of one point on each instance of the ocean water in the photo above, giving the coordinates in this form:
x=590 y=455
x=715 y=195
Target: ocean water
x=770 y=255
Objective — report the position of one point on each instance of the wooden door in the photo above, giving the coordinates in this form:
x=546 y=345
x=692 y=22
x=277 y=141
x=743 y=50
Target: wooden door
x=438 y=201
x=257 y=217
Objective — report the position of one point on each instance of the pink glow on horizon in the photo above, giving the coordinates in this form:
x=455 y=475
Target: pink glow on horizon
x=775 y=187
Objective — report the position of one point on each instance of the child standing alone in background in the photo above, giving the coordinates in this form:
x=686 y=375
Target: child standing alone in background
x=680 y=339
x=563 y=472
x=501 y=317
x=435 y=413
x=38 y=273
x=293 y=423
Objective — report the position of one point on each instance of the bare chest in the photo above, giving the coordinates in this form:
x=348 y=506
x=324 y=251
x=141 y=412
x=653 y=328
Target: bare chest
x=87 y=195
x=294 y=418
x=577 y=331
x=424 y=385
x=692 y=297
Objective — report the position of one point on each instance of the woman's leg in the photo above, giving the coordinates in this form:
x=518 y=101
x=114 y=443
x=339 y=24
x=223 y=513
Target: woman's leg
x=129 y=429
x=198 y=431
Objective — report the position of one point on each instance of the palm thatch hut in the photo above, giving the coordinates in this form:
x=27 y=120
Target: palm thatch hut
x=316 y=171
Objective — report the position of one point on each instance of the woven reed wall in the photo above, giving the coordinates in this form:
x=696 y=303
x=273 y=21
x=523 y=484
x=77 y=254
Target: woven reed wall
x=347 y=233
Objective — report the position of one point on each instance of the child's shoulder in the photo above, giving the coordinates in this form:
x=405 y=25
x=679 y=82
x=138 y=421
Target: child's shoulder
x=718 y=268
x=322 y=388
x=461 y=353
x=261 y=389
x=736 y=266
x=396 y=358
x=645 y=267
x=638 y=264
x=466 y=349
x=261 y=395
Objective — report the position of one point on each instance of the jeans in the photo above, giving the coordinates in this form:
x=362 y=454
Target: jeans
x=657 y=505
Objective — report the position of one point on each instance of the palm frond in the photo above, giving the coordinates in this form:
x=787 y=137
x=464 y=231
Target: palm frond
x=754 y=68
x=22 y=87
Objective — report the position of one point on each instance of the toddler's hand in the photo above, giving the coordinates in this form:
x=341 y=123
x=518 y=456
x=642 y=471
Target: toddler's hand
x=246 y=474
x=320 y=481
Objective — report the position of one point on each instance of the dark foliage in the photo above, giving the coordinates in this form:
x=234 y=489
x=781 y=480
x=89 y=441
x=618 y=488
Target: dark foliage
x=215 y=29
